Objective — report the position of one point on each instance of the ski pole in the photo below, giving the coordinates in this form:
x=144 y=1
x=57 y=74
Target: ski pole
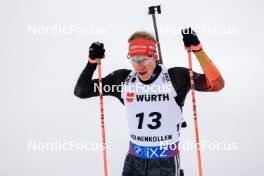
x=152 y=11
x=102 y=114
x=197 y=140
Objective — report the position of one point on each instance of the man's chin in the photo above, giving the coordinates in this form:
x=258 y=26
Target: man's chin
x=144 y=78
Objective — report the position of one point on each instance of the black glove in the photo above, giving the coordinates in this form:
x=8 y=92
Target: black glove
x=189 y=37
x=96 y=50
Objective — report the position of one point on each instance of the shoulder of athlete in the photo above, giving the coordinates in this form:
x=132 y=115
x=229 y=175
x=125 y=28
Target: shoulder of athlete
x=179 y=76
x=119 y=75
x=178 y=72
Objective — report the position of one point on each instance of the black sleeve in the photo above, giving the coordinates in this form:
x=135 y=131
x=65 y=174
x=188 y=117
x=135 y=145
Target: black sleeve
x=180 y=79
x=87 y=87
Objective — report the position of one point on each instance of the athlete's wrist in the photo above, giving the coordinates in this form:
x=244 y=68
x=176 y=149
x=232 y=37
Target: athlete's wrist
x=197 y=52
x=92 y=61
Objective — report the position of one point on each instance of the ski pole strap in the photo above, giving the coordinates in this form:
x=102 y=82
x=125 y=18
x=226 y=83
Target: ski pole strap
x=154 y=152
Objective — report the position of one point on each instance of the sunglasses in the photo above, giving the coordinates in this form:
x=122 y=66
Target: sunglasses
x=144 y=60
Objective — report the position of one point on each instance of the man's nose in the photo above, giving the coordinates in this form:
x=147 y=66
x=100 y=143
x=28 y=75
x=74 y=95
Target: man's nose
x=139 y=65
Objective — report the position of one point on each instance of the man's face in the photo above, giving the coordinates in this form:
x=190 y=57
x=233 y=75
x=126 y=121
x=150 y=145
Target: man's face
x=144 y=66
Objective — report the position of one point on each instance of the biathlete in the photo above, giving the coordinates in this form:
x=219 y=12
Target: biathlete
x=153 y=97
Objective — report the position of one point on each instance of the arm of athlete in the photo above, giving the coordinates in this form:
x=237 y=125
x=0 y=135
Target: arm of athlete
x=210 y=80
x=87 y=87
x=213 y=80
